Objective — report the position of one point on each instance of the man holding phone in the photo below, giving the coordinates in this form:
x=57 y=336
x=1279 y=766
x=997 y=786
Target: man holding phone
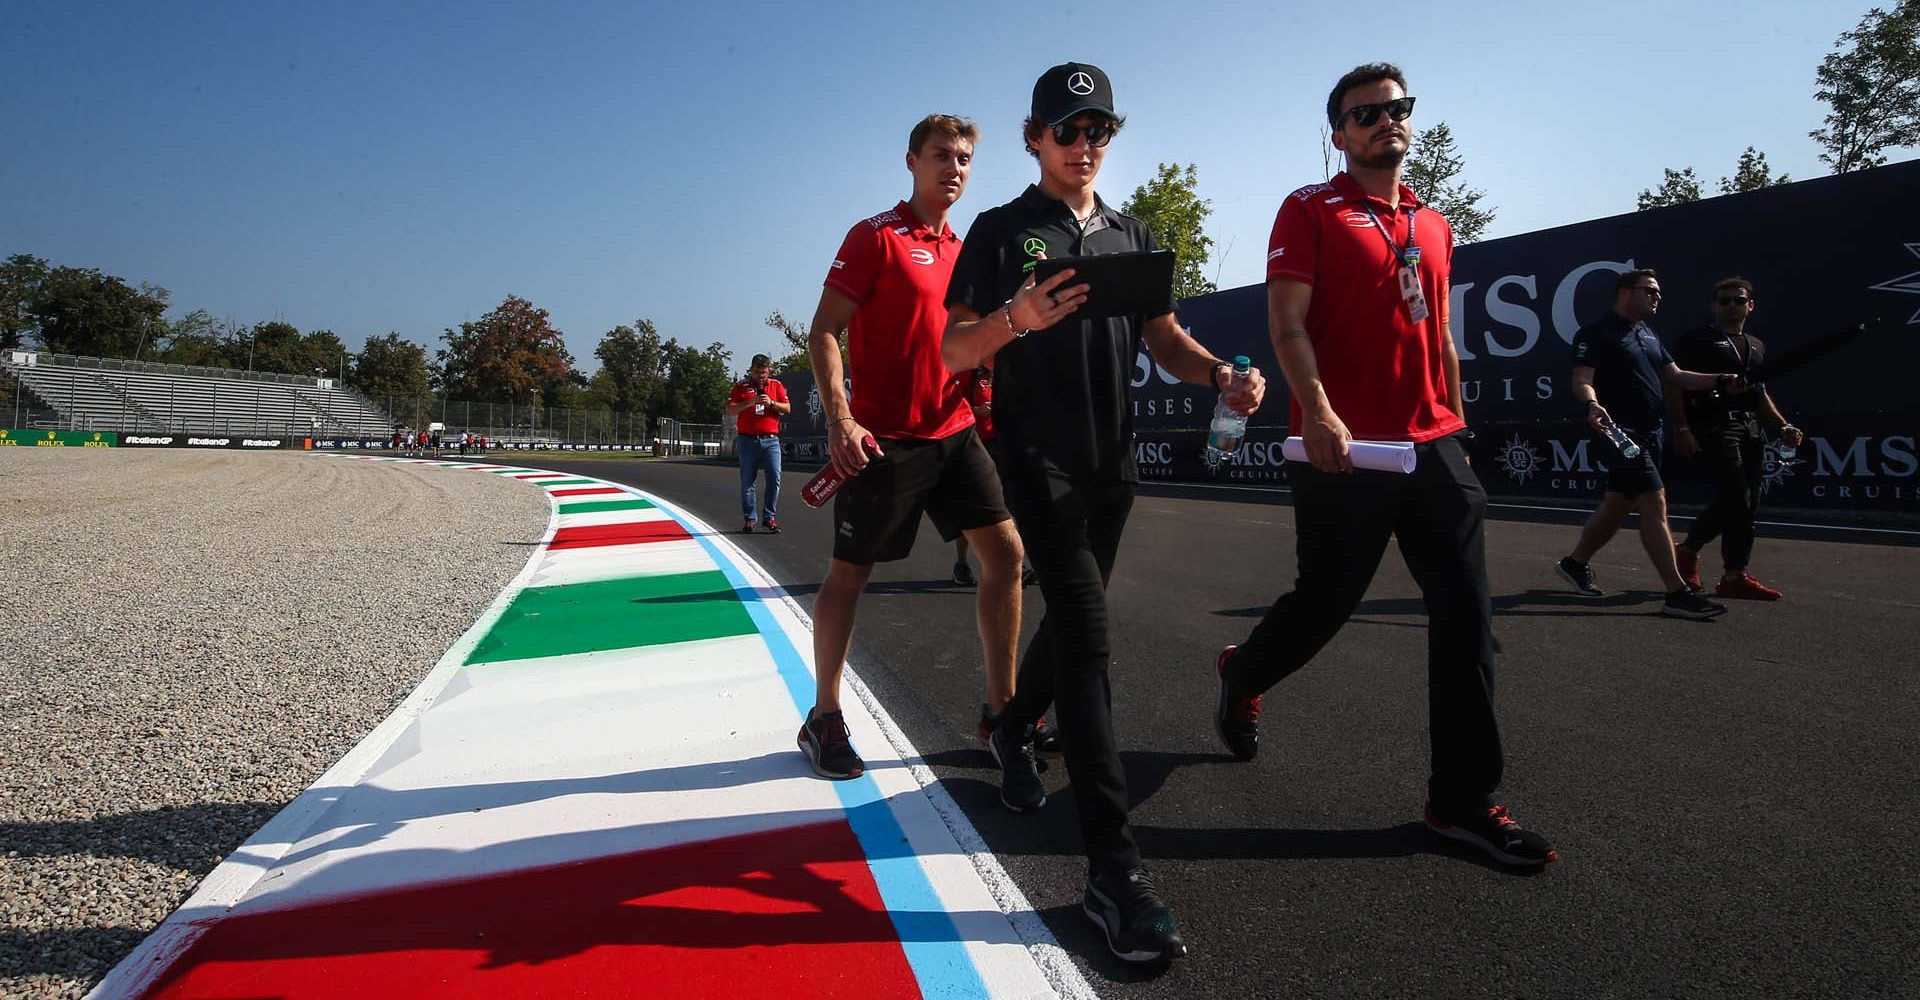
x=1064 y=448
x=756 y=404
x=905 y=441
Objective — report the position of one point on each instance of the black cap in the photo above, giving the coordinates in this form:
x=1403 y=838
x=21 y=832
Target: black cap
x=1070 y=88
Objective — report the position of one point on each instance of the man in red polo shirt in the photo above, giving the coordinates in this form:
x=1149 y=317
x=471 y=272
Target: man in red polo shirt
x=756 y=405
x=886 y=288
x=1357 y=287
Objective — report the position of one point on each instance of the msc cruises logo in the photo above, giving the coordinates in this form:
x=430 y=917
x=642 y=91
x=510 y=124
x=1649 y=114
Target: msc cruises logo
x=813 y=403
x=1906 y=284
x=1520 y=460
x=1775 y=468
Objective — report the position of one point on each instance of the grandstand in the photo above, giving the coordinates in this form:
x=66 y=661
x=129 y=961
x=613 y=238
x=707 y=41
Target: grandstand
x=65 y=392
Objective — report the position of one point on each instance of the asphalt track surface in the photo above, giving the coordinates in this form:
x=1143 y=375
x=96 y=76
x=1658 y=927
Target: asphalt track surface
x=1734 y=802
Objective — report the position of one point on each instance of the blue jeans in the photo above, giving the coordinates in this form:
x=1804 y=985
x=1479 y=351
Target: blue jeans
x=757 y=454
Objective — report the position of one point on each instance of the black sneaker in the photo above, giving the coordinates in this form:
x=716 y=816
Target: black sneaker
x=1684 y=603
x=1046 y=740
x=1020 y=787
x=1139 y=927
x=829 y=747
x=1236 y=718
x=1579 y=576
x=1028 y=577
x=1496 y=833
x=963 y=574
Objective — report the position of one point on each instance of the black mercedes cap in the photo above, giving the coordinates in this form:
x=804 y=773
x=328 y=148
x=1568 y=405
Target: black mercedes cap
x=1070 y=88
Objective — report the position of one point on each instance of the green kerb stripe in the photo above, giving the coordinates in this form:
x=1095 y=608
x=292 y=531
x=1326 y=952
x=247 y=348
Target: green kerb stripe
x=614 y=614
x=569 y=482
x=595 y=507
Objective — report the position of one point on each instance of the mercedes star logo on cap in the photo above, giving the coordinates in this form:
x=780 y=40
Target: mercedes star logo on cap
x=1080 y=83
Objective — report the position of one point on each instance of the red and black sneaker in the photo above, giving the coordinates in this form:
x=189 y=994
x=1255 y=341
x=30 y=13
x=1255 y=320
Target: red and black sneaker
x=1237 y=717
x=747 y=528
x=1689 y=562
x=829 y=747
x=1046 y=741
x=1744 y=587
x=1495 y=832
x=773 y=526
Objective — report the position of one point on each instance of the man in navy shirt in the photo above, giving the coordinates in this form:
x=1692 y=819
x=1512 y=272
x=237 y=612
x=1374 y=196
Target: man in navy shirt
x=1620 y=361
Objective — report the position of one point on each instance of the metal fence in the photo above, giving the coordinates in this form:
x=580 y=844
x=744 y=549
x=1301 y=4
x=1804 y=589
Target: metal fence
x=515 y=422
x=677 y=438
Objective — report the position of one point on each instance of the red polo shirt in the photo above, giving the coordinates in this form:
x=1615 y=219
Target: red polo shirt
x=749 y=422
x=1382 y=371
x=895 y=268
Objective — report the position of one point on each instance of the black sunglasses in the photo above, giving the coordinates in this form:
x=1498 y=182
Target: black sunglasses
x=1098 y=133
x=1652 y=292
x=1364 y=115
x=1735 y=300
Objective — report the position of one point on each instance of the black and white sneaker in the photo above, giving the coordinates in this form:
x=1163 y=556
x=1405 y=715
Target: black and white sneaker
x=829 y=747
x=1139 y=927
x=1579 y=576
x=1495 y=832
x=1684 y=603
x=1020 y=787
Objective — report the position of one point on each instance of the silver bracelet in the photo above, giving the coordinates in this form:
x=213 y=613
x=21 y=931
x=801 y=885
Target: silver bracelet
x=1006 y=312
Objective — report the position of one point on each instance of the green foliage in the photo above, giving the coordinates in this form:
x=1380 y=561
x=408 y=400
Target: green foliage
x=633 y=369
x=20 y=280
x=83 y=311
x=193 y=339
x=1871 y=85
x=697 y=383
x=511 y=355
x=1678 y=187
x=1431 y=169
x=1171 y=206
x=1751 y=174
x=390 y=367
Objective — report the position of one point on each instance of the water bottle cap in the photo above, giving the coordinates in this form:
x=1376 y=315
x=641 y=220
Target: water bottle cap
x=1242 y=363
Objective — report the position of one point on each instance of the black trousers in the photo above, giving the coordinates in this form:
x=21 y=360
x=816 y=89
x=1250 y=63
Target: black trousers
x=1342 y=523
x=1071 y=529
x=1730 y=454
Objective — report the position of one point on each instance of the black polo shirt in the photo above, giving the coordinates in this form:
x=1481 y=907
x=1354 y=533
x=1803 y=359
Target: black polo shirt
x=1059 y=394
x=1713 y=351
x=1626 y=358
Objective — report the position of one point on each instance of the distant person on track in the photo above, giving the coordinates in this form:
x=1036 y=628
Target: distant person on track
x=1063 y=444
x=756 y=404
x=977 y=387
x=1721 y=431
x=883 y=290
x=1358 y=273
x=1620 y=374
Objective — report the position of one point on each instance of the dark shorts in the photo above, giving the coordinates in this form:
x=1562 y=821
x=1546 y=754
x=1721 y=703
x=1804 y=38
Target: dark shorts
x=877 y=513
x=1631 y=477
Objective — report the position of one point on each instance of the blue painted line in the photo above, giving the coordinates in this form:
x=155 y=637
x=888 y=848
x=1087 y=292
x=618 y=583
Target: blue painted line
x=933 y=945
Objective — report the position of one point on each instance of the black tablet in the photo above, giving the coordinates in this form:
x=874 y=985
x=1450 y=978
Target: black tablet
x=1118 y=284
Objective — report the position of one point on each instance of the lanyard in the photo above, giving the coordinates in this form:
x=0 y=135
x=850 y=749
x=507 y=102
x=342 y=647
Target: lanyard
x=1738 y=354
x=1409 y=255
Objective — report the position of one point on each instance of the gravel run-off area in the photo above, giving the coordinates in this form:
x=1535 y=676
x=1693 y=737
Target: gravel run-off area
x=188 y=640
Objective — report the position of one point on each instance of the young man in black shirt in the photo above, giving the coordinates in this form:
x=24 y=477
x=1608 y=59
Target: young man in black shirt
x=1064 y=448
x=1620 y=362
x=1722 y=431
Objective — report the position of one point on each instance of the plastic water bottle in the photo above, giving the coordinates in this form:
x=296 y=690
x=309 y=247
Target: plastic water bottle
x=1621 y=441
x=1784 y=450
x=1228 y=427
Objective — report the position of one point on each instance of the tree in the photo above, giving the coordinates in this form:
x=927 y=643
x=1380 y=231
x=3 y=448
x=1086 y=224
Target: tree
x=798 y=357
x=1171 y=206
x=82 y=311
x=390 y=367
x=193 y=339
x=1431 y=167
x=1677 y=187
x=1871 y=85
x=697 y=382
x=511 y=355
x=20 y=280
x=633 y=368
x=1751 y=174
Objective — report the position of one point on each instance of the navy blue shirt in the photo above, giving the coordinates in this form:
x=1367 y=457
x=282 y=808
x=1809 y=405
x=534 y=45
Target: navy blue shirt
x=1626 y=358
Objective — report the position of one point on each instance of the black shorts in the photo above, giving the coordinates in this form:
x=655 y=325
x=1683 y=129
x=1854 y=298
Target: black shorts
x=877 y=513
x=1631 y=477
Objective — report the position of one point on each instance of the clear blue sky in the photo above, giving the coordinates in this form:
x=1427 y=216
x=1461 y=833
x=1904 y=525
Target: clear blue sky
x=375 y=167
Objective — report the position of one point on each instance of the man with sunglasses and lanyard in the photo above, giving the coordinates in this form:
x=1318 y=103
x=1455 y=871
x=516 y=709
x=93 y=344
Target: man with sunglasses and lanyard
x=1620 y=369
x=1722 y=430
x=1357 y=292
x=1064 y=448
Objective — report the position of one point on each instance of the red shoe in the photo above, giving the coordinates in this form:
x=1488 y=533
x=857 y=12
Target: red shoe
x=1745 y=587
x=1689 y=561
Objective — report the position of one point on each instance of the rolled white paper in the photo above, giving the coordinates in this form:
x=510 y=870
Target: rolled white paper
x=1379 y=456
